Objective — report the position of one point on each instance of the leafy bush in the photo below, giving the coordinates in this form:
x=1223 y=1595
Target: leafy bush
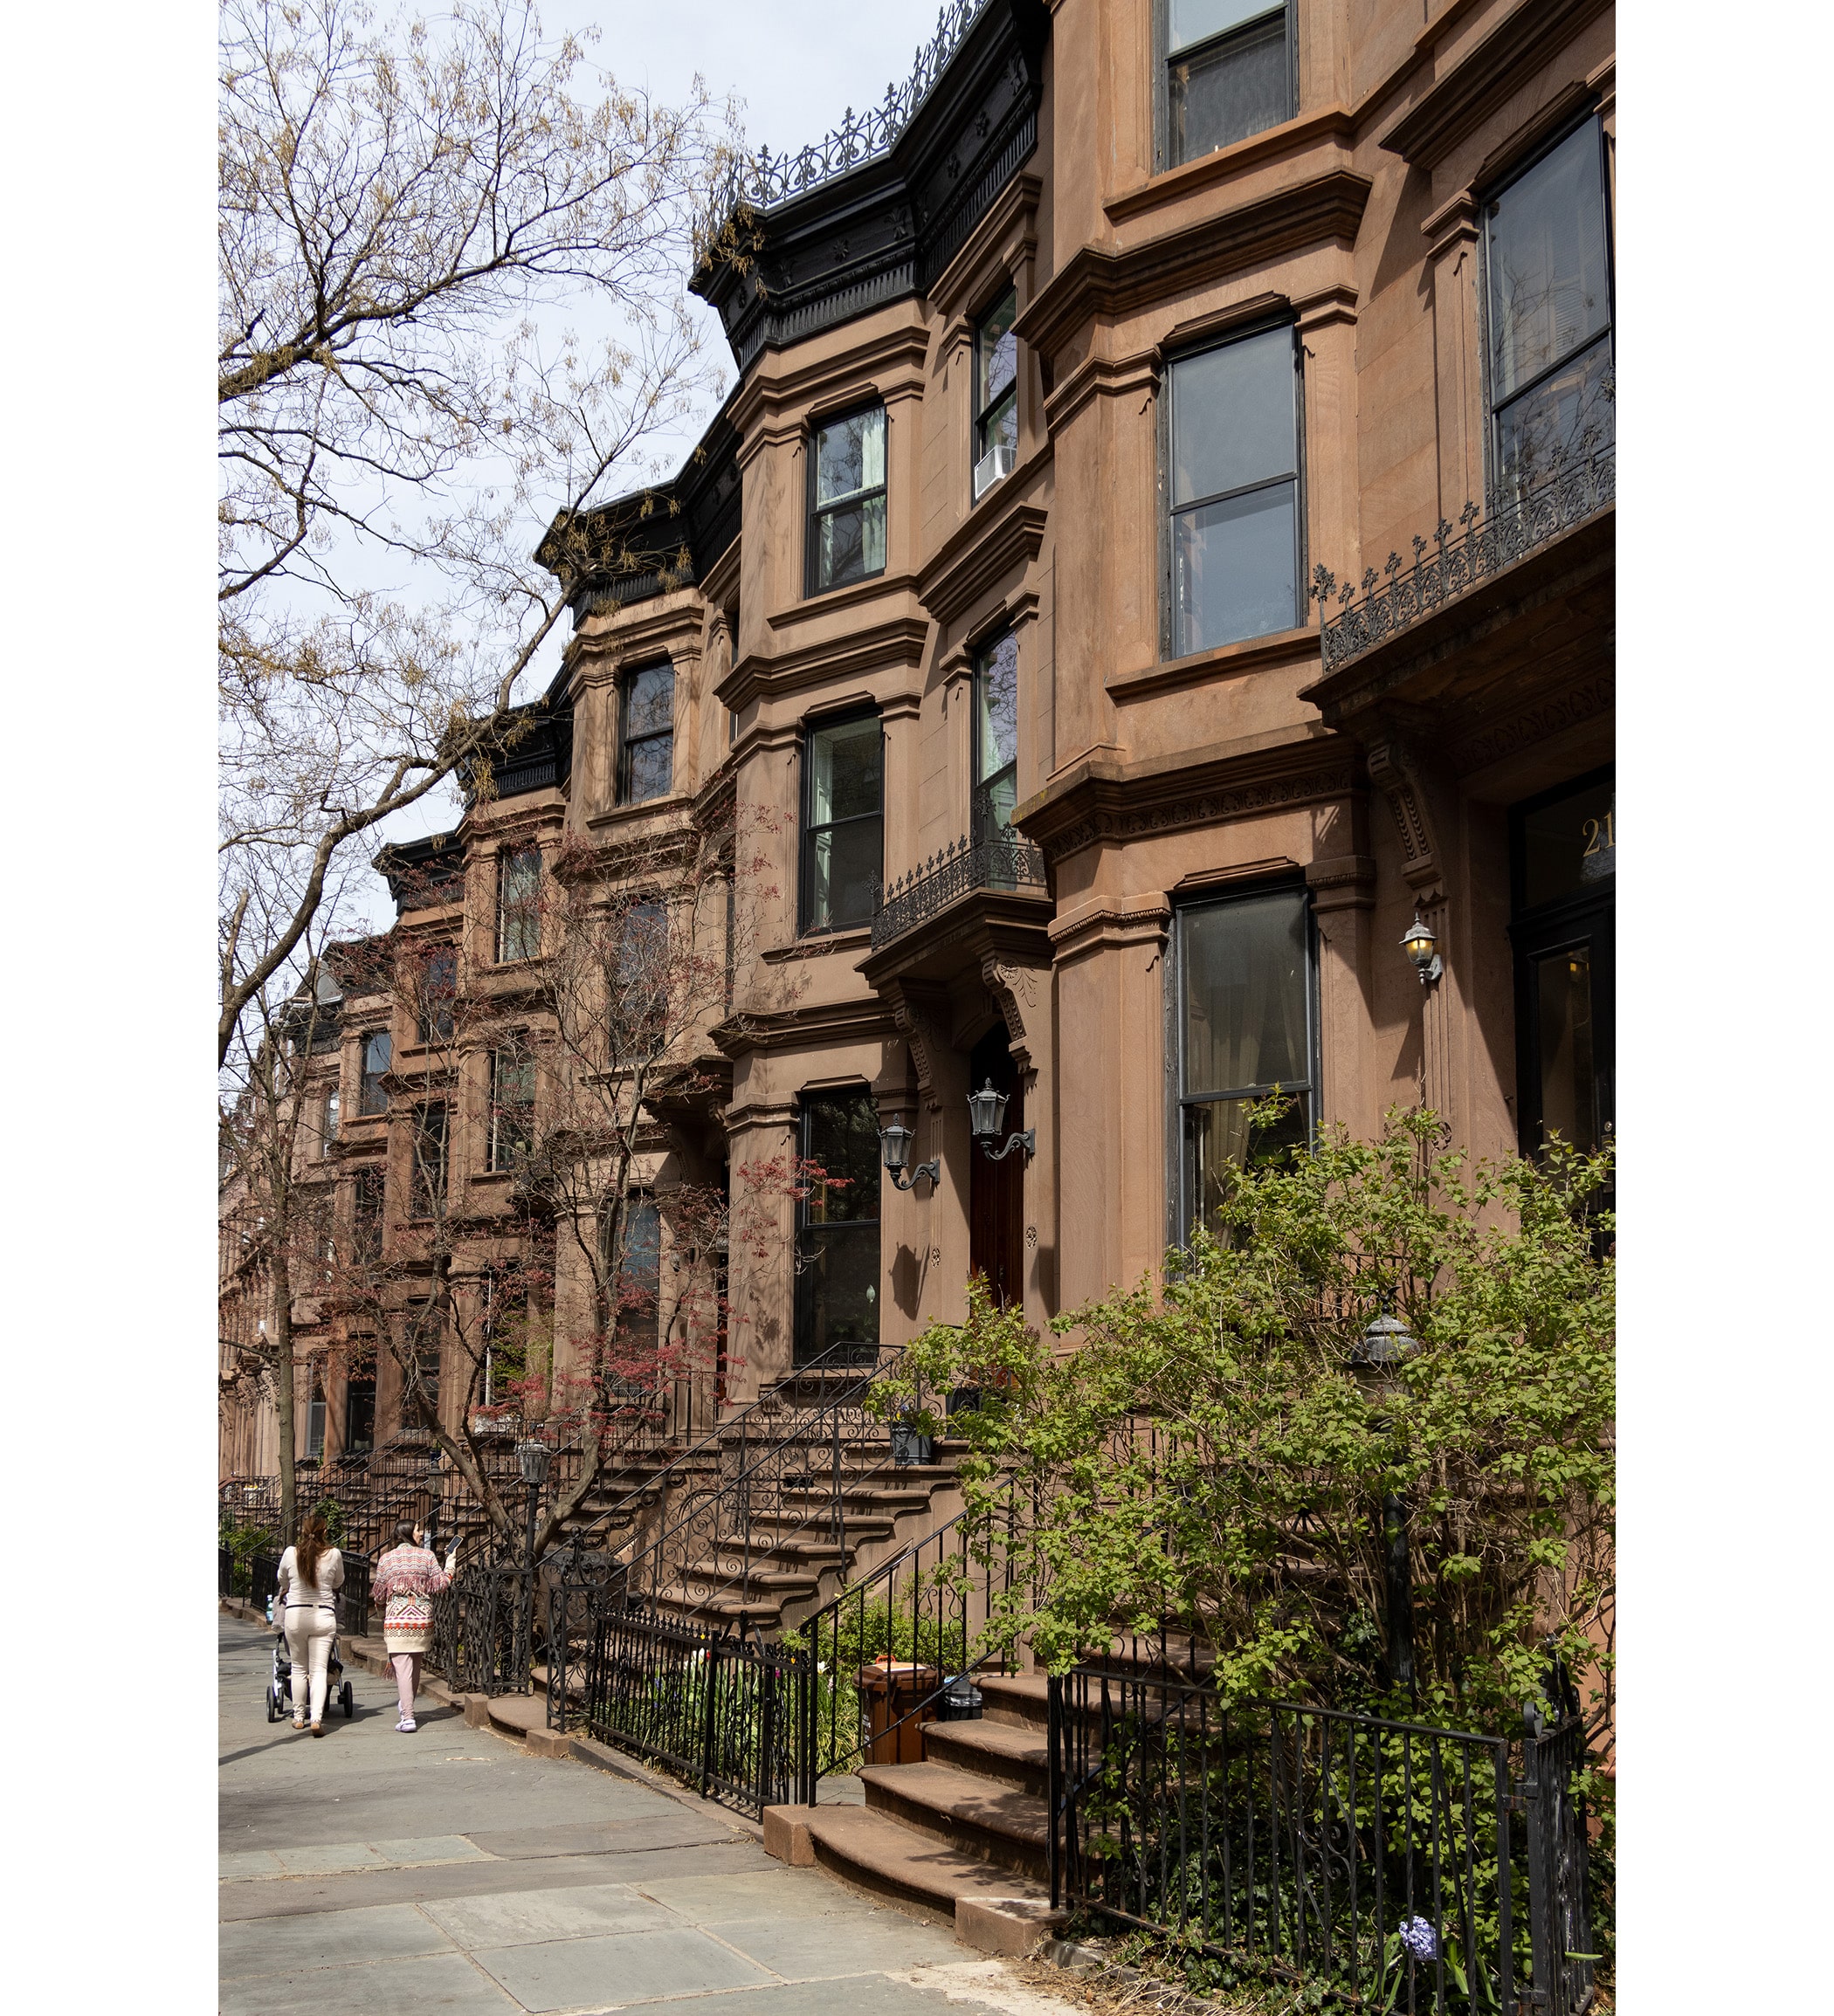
x=1206 y=1456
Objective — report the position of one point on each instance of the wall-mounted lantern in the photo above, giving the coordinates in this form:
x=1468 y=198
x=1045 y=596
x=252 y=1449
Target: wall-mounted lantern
x=986 y=1112
x=1419 y=944
x=895 y=1141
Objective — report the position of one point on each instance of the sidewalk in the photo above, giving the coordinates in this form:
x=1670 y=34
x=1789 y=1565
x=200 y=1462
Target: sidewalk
x=372 y=1874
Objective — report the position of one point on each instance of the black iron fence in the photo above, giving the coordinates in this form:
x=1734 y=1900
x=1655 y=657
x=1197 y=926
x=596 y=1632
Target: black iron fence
x=723 y=1712
x=1403 y=1868
x=483 y=1628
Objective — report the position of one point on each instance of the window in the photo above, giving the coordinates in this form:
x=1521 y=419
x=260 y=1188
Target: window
x=1235 y=515
x=842 y=823
x=315 y=1416
x=640 y=1017
x=635 y=1319
x=359 y=1416
x=518 y=893
x=1229 y=73
x=996 y=737
x=511 y=1104
x=423 y=1341
x=847 y=500
x=1547 y=286
x=378 y=1054
x=327 y=1121
x=996 y=396
x=646 y=740
x=438 y=993
x=426 y=1187
x=505 y=1331
x=837 y=1302
x=368 y=1214
x=1245 y=1021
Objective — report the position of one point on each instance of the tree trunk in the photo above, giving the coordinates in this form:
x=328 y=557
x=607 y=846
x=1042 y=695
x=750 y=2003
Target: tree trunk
x=284 y=1386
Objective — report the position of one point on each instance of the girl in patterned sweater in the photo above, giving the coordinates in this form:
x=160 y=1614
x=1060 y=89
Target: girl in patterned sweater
x=409 y=1577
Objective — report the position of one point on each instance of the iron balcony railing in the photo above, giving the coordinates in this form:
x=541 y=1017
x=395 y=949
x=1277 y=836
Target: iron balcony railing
x=760 y=181
x=1510 y=527
x=1002 y=860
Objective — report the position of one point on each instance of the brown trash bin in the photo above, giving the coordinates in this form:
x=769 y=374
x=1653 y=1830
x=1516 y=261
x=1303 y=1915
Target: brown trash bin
x=891 y=1690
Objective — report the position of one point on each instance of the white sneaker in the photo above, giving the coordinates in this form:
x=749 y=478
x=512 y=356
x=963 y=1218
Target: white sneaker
x=406 y=1725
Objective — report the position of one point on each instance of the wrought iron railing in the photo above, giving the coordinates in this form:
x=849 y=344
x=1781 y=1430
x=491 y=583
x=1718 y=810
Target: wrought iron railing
x=1003 y=860
x=759 y=180
x=722 y=1712
x=1402 y=1868
x=922 y=1615
x=483 y=1628
x=1511 y=526
x=784 y=1481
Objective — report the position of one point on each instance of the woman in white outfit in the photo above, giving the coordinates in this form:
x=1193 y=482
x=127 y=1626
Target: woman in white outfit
x=312 y=1573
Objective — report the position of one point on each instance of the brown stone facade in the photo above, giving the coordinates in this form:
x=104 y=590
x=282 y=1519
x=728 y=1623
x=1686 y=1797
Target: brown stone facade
x=1112 y=715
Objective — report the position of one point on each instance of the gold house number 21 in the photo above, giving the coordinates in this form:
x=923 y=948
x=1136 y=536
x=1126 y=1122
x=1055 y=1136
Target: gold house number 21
x=1601 y=836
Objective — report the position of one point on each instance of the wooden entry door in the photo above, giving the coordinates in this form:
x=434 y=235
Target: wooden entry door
x=997 y=1190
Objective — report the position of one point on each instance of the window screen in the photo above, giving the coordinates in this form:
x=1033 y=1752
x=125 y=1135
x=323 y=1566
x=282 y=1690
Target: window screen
x=1229 y=73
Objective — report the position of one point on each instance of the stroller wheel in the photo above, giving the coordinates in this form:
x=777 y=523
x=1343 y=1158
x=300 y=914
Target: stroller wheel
x=346 y=1695
x=274 y=1712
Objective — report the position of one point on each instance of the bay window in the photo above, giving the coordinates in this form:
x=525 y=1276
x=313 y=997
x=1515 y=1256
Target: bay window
x=846 y=500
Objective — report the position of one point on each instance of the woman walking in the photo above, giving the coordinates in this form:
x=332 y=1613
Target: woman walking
x=409 y=1577
x=312 y=1573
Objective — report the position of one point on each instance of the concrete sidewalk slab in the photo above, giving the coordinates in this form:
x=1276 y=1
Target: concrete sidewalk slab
x=790 y=1893
x=828 y=1947
x=528 y=1918
x=385 y=1932
x=447 y=1984
x=611 y=1972
x=666 y=1829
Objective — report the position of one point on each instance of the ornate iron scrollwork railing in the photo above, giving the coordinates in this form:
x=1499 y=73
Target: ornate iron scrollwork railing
x=1001 y=861
x=759 y=179
x=1510 y=527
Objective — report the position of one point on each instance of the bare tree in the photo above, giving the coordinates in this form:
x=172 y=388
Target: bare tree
x=404 y=209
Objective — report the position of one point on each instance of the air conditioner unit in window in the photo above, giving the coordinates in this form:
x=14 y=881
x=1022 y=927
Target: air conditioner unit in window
x=997 y=462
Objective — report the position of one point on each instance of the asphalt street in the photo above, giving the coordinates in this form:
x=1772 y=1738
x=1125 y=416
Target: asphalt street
x=371 y=1874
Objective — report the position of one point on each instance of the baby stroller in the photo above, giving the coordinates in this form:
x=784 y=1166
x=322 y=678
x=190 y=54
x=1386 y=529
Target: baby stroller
x=337 y=1687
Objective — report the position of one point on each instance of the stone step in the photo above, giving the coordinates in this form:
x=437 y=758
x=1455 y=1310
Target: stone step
x=867 y=1847
x=973 y=1815
x=1017 y=1700
x=1016 y=1756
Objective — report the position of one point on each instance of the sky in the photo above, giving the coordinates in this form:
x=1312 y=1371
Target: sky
x=795 y=67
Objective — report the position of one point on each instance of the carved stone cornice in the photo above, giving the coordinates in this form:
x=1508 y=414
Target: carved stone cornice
x=805 y=1027
x=1497 y=738
x=1407 y=775
x=1022 y=992
x=982 y=552
x=1105 y=800
x=899 y=642
x=1100 y=281
x=1487 y=77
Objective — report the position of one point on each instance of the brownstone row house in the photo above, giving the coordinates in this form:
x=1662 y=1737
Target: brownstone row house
x=1157 y=558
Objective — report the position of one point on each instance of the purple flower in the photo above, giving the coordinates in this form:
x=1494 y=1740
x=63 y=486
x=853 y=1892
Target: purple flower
x=1417 y=1936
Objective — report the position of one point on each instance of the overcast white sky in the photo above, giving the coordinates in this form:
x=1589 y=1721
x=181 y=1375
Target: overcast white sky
x=797 y=66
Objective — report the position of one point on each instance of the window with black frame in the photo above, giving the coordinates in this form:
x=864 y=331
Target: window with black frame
x=1547 y=293
x=1245 y=1023
x=846 y=500
x=836 y=1297
x=367 y=1206
x=328 y=1121
x=378 y=1055
x=1229 y=73
x=422 y=1339
x=635 y=1321
x=427 y=1145
x=359 y=1416
x=439 y=996
x=646 y=735
x=1234 y=491
x=518 y=917
x=996 y=737
x=512 y=1103
x=996 y=394
x=843 y=821
x=638 y=1018
x=315 y=1416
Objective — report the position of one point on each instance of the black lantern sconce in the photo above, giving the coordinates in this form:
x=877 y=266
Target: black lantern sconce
x=986 y=1112
x=895 y=1141
x=1419 y=944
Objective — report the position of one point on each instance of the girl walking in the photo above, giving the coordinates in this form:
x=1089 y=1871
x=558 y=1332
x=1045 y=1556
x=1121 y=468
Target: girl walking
x=409 y=1577
x=312 y=1573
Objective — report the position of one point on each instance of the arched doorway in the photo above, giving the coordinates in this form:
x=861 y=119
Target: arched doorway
x=997 y=1190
